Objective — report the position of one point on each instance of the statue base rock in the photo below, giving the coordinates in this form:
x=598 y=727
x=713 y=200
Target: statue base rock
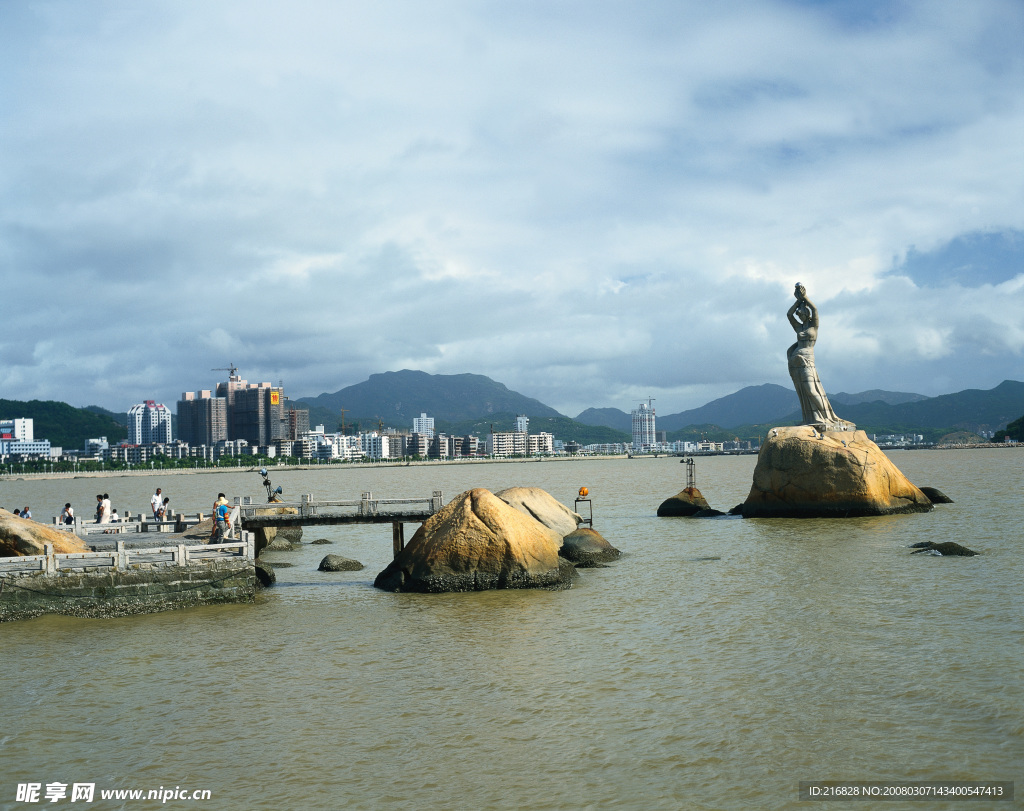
x=804 y=473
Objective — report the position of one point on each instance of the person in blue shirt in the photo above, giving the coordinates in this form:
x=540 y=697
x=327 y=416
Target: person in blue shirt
x=222 y=519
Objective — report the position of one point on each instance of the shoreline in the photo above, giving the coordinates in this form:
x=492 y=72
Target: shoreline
x=181 y=471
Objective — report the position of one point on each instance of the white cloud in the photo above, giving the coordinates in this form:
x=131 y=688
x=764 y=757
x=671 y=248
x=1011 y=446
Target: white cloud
x=587 y=202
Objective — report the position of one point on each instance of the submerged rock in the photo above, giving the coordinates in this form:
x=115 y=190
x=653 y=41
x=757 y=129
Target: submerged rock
x=23 y=536
x=683 y=504
x=321 y=542
x=936 y=496
x=803 y=473
x=542 y=506
x=265 y=575
x=587 y=548
x=946 y=549
x=336 y=563
x=477 y=542
x=711 y=512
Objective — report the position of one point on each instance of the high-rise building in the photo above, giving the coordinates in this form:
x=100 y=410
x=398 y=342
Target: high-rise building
x=423 y=425
x=298 y=422
x=202 y=418
x=523 y=424
x=257 y=414
x=149 y=423
x=643 y=426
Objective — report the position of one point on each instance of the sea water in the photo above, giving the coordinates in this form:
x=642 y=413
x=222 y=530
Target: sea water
x=716 y=665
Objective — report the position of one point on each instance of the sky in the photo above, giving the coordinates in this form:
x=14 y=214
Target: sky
x=591 y=202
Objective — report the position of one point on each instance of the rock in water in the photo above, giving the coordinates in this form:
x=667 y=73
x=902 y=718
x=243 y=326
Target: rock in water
x=587 y=548
x=945 y=549
x=802 y=473
x=687 y=502
x=23 y=536
x=265 y=575
x=336 y=563
x=544 y=507
x=292 y=535
x=477 y=542
x=936 y=496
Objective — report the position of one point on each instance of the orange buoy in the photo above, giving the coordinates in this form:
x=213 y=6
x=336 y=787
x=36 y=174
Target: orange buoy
x=584 y=492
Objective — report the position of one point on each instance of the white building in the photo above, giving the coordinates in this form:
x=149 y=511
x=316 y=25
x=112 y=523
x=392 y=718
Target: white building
x=541 y=444
x=523 y=424
x=375 y=446
x=149 y=423
x=423 y=425
x=18 y=447
x=643 y=427
x=17 y=429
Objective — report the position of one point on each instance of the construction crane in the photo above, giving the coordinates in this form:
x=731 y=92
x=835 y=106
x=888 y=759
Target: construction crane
x=343 y=411
x=229 y=368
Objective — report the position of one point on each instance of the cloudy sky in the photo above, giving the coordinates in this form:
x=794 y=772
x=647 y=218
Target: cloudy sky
x=591 y=202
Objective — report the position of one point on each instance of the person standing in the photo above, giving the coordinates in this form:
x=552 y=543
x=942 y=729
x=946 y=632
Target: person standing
x=105 y=509
x=155 y=502
x=222 y=519
x=26 y=513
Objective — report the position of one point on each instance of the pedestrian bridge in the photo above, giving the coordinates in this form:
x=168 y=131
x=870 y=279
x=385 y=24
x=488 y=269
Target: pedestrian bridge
x=369 y=509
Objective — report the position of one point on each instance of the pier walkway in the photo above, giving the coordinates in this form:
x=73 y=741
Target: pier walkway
x=367 y=510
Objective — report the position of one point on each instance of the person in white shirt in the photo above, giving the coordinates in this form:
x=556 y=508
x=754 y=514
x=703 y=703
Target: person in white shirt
x=156 y=501
x=105 y=509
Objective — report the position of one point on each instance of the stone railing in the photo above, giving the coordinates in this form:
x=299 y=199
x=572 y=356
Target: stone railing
x=122 y=559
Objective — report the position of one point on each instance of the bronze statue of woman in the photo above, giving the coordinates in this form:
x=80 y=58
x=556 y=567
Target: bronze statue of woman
x=814 y=404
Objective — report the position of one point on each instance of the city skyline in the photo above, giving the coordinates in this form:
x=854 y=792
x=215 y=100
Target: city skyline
x=592 y=204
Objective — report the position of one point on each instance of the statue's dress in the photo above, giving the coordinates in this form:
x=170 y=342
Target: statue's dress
x=813 y=401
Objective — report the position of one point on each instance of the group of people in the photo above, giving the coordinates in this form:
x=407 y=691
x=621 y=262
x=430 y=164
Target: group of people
x=160 y=505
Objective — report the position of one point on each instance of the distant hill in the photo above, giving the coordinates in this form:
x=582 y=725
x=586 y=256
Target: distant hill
x=610 y=417
x=875 y=396
x=64 y=425
x=748 y=405
x=398 y=397
x=973 y=410
x=749 y=411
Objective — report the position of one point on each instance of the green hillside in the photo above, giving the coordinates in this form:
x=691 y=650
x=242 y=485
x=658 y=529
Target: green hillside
x=398 y=397
x=65 y=426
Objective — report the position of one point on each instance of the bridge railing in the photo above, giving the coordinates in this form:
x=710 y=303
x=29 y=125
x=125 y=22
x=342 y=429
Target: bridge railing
x=122 y=558
x=367 y=505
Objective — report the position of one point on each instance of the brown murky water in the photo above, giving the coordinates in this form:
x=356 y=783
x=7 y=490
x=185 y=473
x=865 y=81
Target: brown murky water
x=716 y=665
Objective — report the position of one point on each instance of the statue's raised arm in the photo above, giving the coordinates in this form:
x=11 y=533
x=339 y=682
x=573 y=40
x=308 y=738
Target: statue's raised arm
x=814 y=405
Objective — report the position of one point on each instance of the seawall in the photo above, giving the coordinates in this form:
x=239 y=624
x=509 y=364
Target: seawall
x=110 y=592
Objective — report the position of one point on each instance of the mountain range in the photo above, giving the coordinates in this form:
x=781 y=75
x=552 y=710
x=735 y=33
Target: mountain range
x=752 y=405
x=469 y=403
x=458 y=402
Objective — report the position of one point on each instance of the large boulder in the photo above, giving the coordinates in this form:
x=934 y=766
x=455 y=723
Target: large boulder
x=587 y=548
x=542 y=506
x=685 y=503
x=802 y=473
x=477 y=542
x=337 y=563
x=21 y=536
